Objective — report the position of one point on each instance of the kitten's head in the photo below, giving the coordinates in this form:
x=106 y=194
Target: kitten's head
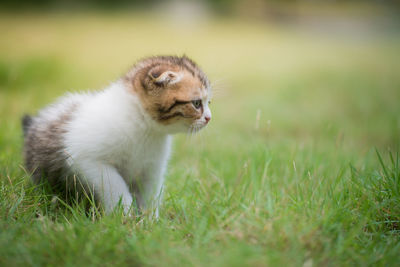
x=174 y=91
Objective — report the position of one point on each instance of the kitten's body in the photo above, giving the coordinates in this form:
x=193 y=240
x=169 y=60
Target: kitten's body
x=117 y=141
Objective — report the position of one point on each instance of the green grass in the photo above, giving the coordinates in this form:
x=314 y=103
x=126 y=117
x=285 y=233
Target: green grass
x=299 y=166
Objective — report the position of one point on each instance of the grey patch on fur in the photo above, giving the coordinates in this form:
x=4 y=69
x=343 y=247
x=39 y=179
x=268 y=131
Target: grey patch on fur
x=44 y=151
x=26 y=123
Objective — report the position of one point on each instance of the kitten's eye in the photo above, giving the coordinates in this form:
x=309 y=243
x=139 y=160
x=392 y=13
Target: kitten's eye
x=196 y=103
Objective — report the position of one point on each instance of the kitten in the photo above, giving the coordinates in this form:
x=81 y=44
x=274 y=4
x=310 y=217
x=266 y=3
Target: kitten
x=116 y=142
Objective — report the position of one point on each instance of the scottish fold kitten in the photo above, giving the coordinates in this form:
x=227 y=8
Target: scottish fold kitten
x=116 y=142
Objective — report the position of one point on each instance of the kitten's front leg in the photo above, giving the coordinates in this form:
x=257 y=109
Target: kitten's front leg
x=107 y=183
x=148 y=191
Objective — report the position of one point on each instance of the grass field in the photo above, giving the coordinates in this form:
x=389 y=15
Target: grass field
x=287 y=173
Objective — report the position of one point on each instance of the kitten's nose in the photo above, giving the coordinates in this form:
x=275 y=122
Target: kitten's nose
x=207 y=118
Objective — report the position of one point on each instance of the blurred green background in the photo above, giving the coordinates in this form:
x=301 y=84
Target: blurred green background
x=304 y=91
x=297 y=69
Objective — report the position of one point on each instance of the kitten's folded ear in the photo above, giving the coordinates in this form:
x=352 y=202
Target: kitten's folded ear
x=163 y=76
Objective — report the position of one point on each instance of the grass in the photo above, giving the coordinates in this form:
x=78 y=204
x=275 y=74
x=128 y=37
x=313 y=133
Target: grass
x=299 y=166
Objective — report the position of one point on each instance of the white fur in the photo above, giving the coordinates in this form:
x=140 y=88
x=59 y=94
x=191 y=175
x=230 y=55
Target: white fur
x=114 y=145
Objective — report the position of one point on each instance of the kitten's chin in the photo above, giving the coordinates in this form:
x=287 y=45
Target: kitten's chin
x=192 y=129
x=182 y=127
x=196 y=127
x=174 y=128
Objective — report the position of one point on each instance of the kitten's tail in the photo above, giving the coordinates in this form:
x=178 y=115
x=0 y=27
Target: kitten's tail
x=26 y=123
